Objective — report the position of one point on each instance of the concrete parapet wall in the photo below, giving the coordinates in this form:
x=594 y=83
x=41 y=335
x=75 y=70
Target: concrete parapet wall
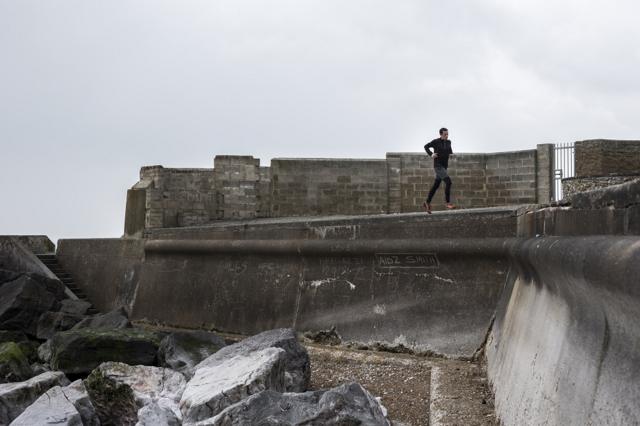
x=477 y=223
x=173 y=197
x=238 y=188
x=479 y=180
x=316 y=187
x=564 y=348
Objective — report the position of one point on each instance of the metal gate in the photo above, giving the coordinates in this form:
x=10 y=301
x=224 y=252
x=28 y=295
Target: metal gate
x=564 y=166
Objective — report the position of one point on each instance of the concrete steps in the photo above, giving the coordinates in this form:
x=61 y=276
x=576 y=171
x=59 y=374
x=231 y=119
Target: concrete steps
x=51 y=262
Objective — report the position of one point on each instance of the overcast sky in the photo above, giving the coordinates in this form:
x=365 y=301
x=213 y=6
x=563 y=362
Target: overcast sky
x=90 y=91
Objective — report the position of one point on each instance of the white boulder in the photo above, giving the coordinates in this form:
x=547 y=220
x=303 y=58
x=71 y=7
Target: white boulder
x=222 y=382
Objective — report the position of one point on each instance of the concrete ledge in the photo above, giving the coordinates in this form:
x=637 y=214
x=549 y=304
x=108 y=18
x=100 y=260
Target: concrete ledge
x=469 y=223
x=617 y=196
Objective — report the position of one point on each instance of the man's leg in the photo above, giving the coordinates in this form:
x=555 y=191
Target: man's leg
x=447 y=189
x=434 y=188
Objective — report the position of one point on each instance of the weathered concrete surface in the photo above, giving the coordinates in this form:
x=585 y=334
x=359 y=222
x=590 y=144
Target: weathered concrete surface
x=108 y=270
x=607 y=211
x=565 y=344
x=478 y=223
x=440 y=297
x=618 y=196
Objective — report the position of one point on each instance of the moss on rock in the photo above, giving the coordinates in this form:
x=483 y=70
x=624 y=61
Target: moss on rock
x=114 y=402
x=14 y=366
x=80 y=351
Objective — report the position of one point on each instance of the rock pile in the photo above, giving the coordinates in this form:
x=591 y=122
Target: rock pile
x=130 y=376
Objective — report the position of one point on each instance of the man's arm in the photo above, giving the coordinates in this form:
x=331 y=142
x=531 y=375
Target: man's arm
x=427 y=148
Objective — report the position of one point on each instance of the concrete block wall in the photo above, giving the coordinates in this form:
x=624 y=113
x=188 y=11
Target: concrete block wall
x=544 y=173
x=469 y=188
x=479 y=180
x=302 y=187
x=511 y=178
x=236 y=184
x=264 y=193
x=238 y=188
x=394 y=183
x=178 y=197
x=604 y=157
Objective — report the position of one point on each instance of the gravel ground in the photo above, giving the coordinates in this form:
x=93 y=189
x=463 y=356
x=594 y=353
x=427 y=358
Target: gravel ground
x=403 y=382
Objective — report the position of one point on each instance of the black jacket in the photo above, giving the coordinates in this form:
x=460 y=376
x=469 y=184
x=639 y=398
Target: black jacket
x=443 y=149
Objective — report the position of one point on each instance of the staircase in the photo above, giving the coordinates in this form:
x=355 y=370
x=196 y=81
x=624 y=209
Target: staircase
x=51 y=262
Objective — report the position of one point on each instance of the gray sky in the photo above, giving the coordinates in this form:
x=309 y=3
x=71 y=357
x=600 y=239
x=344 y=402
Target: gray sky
x=90 y=91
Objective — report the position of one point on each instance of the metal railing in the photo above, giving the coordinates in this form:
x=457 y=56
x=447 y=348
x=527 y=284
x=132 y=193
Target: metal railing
x=564 y=166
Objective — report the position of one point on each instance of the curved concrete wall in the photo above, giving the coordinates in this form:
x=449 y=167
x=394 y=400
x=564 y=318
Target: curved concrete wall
x=565 y=344
x=435 y=295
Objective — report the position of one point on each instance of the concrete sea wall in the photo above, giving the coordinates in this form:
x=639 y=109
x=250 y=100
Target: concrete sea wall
x=429 y=283
x=434 y=296
x=565 y=344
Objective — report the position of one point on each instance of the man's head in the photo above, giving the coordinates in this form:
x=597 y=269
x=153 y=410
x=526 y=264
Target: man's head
x=444 y=133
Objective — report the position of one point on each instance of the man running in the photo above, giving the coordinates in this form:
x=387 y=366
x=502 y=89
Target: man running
x=442 y=151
